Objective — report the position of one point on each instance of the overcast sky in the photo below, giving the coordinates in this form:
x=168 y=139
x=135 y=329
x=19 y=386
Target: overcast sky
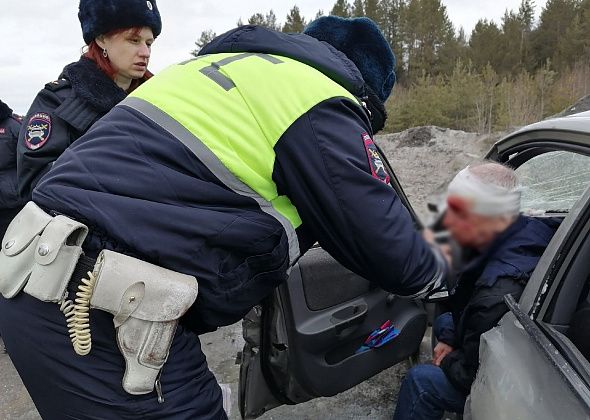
x=40 y=37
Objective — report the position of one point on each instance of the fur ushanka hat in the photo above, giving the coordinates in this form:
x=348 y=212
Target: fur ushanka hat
x=361 y=40
x=99 y=17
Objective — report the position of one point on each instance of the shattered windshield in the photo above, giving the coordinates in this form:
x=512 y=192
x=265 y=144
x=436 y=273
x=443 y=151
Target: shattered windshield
x=553 y=181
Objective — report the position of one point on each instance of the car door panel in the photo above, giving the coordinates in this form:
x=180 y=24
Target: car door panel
x=302 y=342
x=324 y=357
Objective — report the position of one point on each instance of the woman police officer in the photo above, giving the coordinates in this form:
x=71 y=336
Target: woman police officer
x=119 y=35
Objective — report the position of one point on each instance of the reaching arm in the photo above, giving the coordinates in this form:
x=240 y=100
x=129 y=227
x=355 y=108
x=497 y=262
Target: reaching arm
x=327 y=165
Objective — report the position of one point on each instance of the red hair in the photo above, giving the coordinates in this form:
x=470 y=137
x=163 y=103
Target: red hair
x=94 y=53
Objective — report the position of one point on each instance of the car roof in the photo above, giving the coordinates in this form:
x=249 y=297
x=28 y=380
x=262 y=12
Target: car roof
x=575 y=127
x=579 y=122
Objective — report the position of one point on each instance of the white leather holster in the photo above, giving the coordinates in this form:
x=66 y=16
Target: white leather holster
x=146 y=301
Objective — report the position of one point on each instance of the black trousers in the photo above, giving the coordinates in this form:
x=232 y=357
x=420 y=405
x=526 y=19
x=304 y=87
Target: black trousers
x=64 y=385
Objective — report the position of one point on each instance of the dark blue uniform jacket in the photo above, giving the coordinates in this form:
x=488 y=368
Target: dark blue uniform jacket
x=143 y=193
x=477 y=301
x=10 y=203
x=67 y=107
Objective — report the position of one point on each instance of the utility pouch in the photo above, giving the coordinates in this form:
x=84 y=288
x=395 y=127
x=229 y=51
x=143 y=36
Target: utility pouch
x=19 y=246
x=58 y=251
x=146 y=301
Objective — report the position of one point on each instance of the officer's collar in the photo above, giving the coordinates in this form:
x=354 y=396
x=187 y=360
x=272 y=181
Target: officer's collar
x=93 y=85
x=375 y=110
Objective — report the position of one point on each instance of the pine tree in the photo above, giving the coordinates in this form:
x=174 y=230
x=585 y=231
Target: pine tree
x=319 y=14
x=341 y=8
x=358 y=8
x=295 y=22
x=574 y=48
x=526 y=16
x=428 y=33
x=256 y=19
x=371 y=10
x=584 y=22
x=511 y=42
x=268 y=21
x=392 y=26
x=206 y=37
x=485 y=45
x=556 y=17
x=271 y=21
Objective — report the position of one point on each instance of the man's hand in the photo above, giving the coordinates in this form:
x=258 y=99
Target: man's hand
x=440 y=351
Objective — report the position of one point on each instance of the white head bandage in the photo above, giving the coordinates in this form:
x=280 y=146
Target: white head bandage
x=488 y=199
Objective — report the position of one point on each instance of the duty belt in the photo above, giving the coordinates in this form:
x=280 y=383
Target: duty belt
x=85 y=264
x=42 y=256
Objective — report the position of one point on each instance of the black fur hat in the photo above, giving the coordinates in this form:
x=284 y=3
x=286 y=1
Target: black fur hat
x=361 y=40
x=99 y=17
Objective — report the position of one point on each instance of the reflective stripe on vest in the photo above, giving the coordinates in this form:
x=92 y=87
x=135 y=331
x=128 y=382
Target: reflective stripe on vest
x=231 y=110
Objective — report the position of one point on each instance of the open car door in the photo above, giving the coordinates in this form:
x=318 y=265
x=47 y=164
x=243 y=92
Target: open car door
x=305 y=340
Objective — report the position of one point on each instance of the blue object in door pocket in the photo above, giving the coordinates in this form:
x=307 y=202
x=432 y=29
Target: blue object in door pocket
x=379 y=337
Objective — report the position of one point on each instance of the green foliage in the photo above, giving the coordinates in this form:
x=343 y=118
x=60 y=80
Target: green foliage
x=358 y=8
x=372 y=10
x=341 y=8
x=428 y=36
x=295 y=22
x=269 y=20
x=424 y=103
x=551 y=34
x=206 y=37
x=485 y=45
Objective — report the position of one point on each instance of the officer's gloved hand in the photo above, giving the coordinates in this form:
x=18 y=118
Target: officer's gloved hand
x=438 y=288
x=438 y=282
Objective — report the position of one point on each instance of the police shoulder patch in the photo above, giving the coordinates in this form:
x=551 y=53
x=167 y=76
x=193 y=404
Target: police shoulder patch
x=375 y=162
x=38 y=130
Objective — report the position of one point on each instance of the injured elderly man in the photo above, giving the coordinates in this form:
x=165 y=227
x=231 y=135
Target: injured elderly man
x=500 y=250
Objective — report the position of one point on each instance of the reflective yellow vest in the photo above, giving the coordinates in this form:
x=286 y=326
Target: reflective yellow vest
x=230 y=110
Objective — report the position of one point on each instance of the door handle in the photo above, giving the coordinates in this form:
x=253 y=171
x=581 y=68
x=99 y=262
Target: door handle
x=348 y=316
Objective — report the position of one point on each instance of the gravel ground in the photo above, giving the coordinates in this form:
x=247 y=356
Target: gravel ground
x=374 y=399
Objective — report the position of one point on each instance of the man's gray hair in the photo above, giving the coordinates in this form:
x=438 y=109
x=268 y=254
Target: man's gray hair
x=493 y=189
x=495 y=173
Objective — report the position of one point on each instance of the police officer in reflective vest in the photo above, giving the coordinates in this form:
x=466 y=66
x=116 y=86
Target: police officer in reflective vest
x=10 y=203
x=224 y=170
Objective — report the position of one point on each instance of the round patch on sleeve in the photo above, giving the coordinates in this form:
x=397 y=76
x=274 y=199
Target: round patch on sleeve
x=375 y=162
x=38 y=130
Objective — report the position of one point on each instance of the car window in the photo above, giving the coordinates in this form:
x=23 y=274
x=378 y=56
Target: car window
x=553 y=181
